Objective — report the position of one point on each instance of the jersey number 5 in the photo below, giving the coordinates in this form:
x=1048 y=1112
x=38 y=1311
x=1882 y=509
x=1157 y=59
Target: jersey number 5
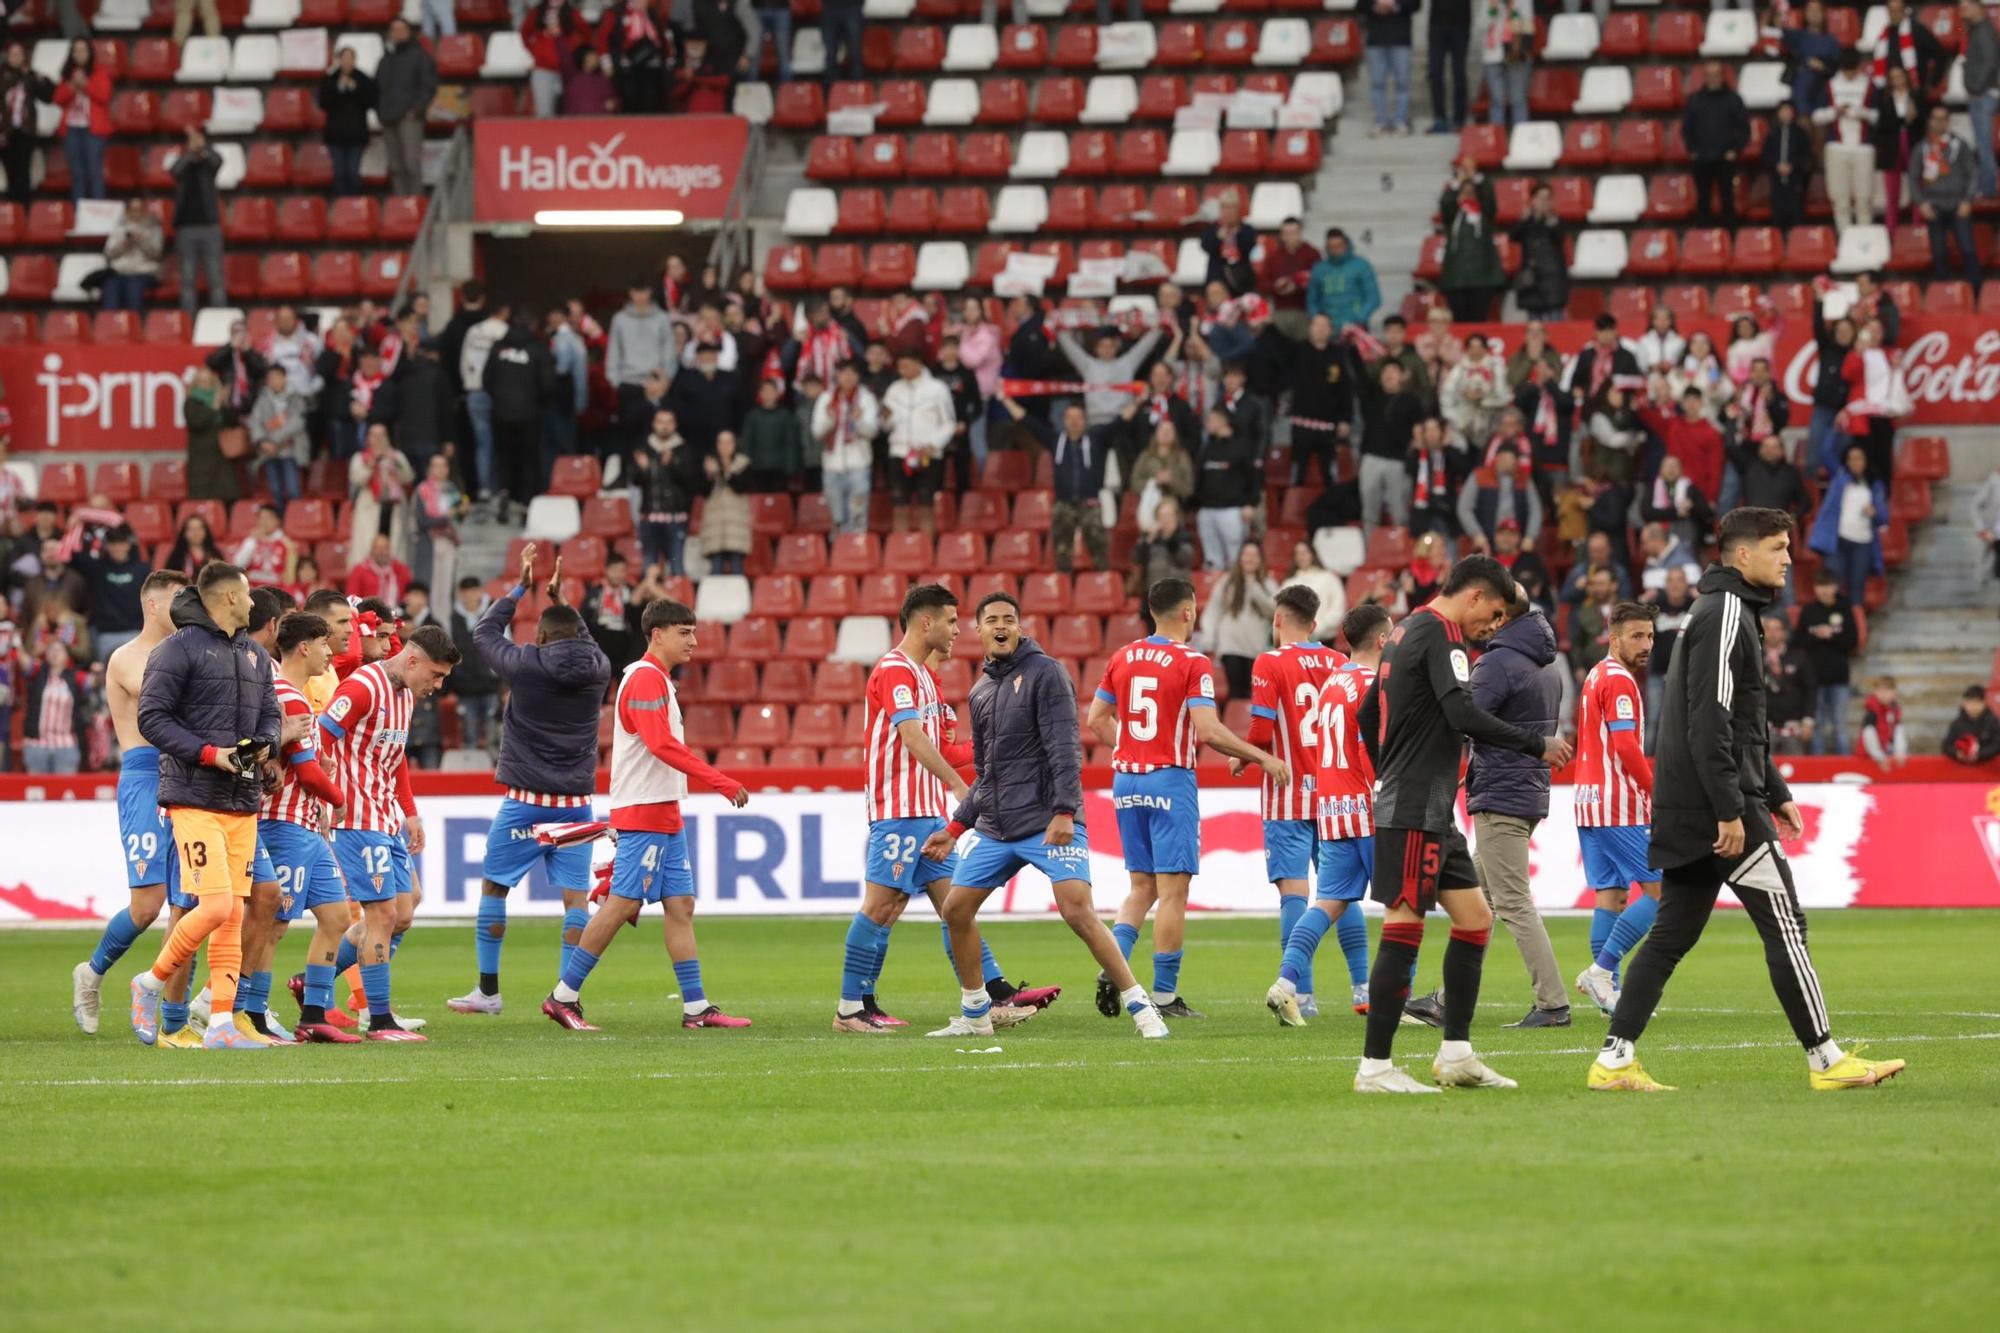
x=1144 y=708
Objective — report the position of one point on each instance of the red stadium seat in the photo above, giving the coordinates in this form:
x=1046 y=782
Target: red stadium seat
x=778 y=596
x=1629 y=305
x=962 y=553
x=837 y=265
x=1809 y=250
x=788 y=268
x=786 y=682
x=382 y=273
x=770 y=515
x=151 y=521
x=1687 y=303
x=460 y=56
x=862 y=553
x=986 y=155
x=1016 y=552
x=908 y=553
x=1586 y=145
x=1161 y=96
x=1047 y=592
x=918 y=50
x=167 y=480
x=575 y=475
x=113 y=327
x=1069 y=208
x=120 y=483
x=831 y=595
x=1655 y=88
x=1335 y=42
x=1076 y=47
x=281 y=276
x=1623 y=38
x=1242 y=153
x=302 y=220
x=879 y=157
x=1705 y=253
x=16 y=329
x=1114 y=211
x=1635 y=143
x=1058 y=100
x=798 y=106
x=902 y=102
x=820 y=724
x=810 y=638
x=134 y=111
x=1294 y=152
x=982 y=511
x=309 y=520
x=962 y=210
x=892 y=266
x=1653 y=253
x=1486 y=145
x=1670 y=197
x=1178 y=45
x=1677 y=35
x=1572 y=197
x=1075 y=636
x=185 y=107
x=1925 y=457
x=800 y=554
x=1943 y=298
x=1002 y=102
x=1909 y=250
x=932 y=157
x=154 y=60
x=1552 y=90
x=754 y=636
x=707 y=726
x=312 y=167
x=731 y=681
x=1090 y=153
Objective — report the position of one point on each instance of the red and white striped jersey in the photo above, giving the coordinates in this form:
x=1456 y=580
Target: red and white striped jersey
x=1606 y=795
x=291 y=802
x=1284 y=691
x=58 y=716
x=1152 y=685
x=1344 y=788
x=262 y=559
x=897 y=786
x=369 y=720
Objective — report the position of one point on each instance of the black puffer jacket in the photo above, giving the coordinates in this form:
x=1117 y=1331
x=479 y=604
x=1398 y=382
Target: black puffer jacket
x=204 y=688
x=1025 y=746
x=548 y=743
x=1514 y=680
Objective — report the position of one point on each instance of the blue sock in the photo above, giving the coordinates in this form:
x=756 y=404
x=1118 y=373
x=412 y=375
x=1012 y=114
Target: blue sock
x=347 y=956
x=1297 y=967
x=1127 y=936
x=319 y=985
x=119 y=932
x=1630 y=928
x=1602 y=919
x=395 y=943
x=575 y=918
x=253 y=993
x=1167 y=973
x=577 y=970
x=375 y=985
x=689 y=975
x=989 y=966
x=865 y=941
x=487 y=931
x=173 y=1017
x=1352 y=932
x=1291 y=906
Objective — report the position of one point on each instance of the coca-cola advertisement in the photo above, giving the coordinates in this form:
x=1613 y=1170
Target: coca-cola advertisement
x=81 y=398
x=688 y=164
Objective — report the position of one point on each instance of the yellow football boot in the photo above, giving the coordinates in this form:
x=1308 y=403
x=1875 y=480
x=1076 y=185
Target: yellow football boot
x=183 y=1039
x=1632 y=1078
x=1854 y=1072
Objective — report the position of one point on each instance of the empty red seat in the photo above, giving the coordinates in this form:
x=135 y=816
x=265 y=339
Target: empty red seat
x=1677 y=34
x=1552 y=90
x=1058 y=100
x=302 y=220
x=1586 y=145
x=932 y=157
x=1923 y=456
x=49 y=222
x=1016 y=552
x=831 y=595
x=962 y=553
x=1069 y=208
x=963 y=209
x=134 y=111
x=1115 y=207
x=114 y=327
x=282 y=276
x=798 y=106
x=16 y=329
x=31 y=277
x=1706 y=253
x=1623 y=38
x=1335 y=42
x=65 y=327
x=918 y=50
x=1572 y=197
x=1160 y=96
x=351 y=220
x=1755 y=251
x=1670 y=197
x=1003 y=102
x=1173 y=203
x=1635 y=143
x=892 y=266
x=902 y=102
x=986 y=154
x=913 y=208
x=810 y=638
x=382 y=273
x=906 y=553
x=778 y=595
x=1242 y=153
x=459 y=56
x=151 y=521
x=154 y=60
x=1047 y=592
x=1075 y=636
x=1652 y=253
x=861 y=213
x=1090 y=153
x=1076 y=46
x=1655 y=88
x=754 y=636
x=1909 y=250
x=1629 y=305
x=1486 y=145
x=63 y=483
x=1293 y=152
x=788 y=268
x=1943 y=298
x=1809 y=250
x=1687 y=303
x=401 y=219
x=288 y=110
x=185 y=107
x=991 y=260
x=248 y=221
x=820 y=724
x=830 y=158
x=312 y=167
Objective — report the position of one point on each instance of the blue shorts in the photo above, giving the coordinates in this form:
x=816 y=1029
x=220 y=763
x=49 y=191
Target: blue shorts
x=652 y=867
x=1159 y=821
x=894 y=855
x=1617 y=858
x=988 y=863
x=1288 y=848
x=511 y=849
x=1345 y=867
x=376 y=866
x=147 y=841
x=306 y=872
x=262 y=870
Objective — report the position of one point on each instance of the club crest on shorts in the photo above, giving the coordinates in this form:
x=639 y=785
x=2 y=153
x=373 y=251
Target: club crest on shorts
x=896 y=869
x=139 y=868
x=378 y=882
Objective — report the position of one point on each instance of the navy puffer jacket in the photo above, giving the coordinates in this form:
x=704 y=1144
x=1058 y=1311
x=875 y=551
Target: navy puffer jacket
x=203 y=687
x=1025 y=746
x=1516 y=679
x=548 y=744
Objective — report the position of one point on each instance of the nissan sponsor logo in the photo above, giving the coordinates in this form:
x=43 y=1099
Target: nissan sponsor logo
x=602 y=167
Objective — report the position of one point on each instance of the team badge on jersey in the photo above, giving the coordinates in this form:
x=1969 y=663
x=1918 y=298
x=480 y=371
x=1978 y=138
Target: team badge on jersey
x=904 y=697
x=342 y=706
x=1459 y=666
x=1624 y=708
x=1207 y=687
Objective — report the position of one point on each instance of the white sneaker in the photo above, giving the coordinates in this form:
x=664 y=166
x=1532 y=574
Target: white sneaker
x=407 y=1024
x=198 y=1011
x=1471 y=1072
x=474 y=1002
x=1010 y=1015
x=961 y=1026
x=1152 y=1027
x=1283 y=1002
x=1308 y=1007
x=1391 y=1079
x=1598 y=987
x=85 y=996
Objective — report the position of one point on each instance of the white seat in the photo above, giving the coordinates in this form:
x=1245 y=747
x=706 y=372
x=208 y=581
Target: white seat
x=888 y=9
x=367 y=50
x=3 y=292
x=1862 y=250
x=506 y=57
x=811 y=211
x=1042 y=154
x=1047 y=9
x=27 y=481
x=1318 y=88
x=752 y=101
x=464 y=761
x=1599 y=254
x=942 y=266
x=1535 y=145
x=49 y=57
x=1341 y=6
x=203 y=60
x=971 y=48
x=96 y=217
x=253 y=59
x=374 y=161
x=1195 y=7
x=1127 y=45
x=723 y=599
x=1571 y=37
x=1191 y=263
x=304 y=52
x=272 y=14
x=1192 y=153
x=1761 y=84
x=1271 y=202
x=1954 y=85
x=1019 y=209
x=553 y=518
x=1619 y=199
x=808 y=51
x=1251 y=110
x=1342 y=550
x=1111 y=99
x=1730 y=34
x=48 y=121
x=212 y=325
x=122 y=15
x=1284 y=43
x=236 y=111
x=1606 y=90
x=1873 y=24
x=863 y=639
x=952 y=102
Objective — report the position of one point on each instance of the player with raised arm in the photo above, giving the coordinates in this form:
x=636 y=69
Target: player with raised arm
x=906 y=790
x=1343 y=798
x=369 y=722
x=142 y=832
x=294 y=823
x=650 y=768
x=548 y=765
x=1614 y=801
x=1415 y=722
x=1720 y=808
x=1155 y=707
x=1285 y=685
x=1023 y=811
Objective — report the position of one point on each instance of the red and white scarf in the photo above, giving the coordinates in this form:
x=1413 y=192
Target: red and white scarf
x=1158 y=408
x=1366 y=344
x=1469 y=214
x=1755 y=400
x=386 y=486
x=1771 y=37
x=1878 y=372
x=1247 y=308
x=845 y=411
x=1904 y=36
x=823 y=352
x=1544 y=424
x=363 y=387
x=1937 y=157
x=1432 y=480
x=913 y=313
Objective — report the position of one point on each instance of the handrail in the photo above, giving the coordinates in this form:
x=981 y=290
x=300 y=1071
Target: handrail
x=451 y=195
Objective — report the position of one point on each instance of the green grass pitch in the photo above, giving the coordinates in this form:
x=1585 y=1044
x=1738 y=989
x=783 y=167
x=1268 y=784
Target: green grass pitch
x=510 y=1175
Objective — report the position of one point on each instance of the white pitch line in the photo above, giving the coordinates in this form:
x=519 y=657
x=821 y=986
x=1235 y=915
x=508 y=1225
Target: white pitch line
x=871 y=1070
